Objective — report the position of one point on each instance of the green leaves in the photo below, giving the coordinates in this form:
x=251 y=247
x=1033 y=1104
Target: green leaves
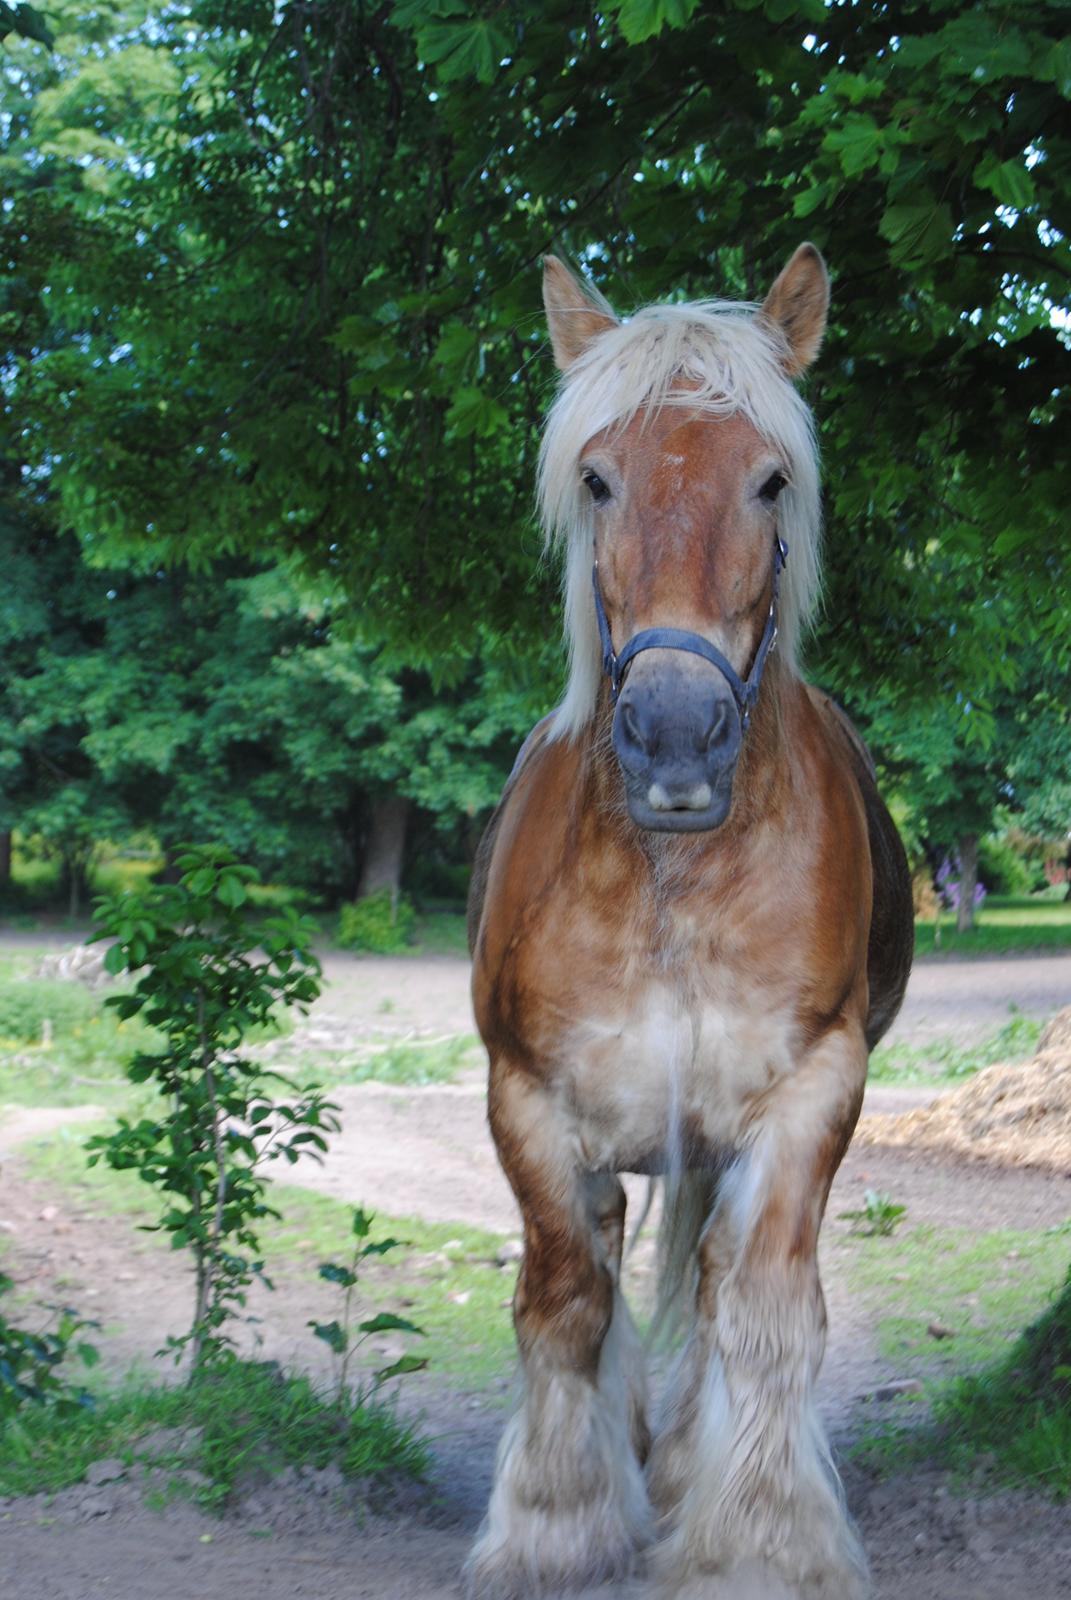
x=1008 y=180
x=472 y=48
x=450 y=38
x=25 y=21
x=645 y=19
x=918 y=231
x=205 y=984
x=343 y=1337
x=474 y=411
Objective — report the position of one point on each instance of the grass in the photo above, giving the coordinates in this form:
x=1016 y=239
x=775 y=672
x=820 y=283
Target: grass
x=945 y=1058
x=984 y=1287
x=1006 y=925
x=445 y=1278
x=243 y=1419
x=1018 y=1412
x=408 y=1062
x=441 y=933
x=1011 y=1407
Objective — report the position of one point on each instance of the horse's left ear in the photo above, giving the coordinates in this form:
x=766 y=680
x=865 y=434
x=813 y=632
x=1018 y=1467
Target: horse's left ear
x=576 y=313
x=798 y=304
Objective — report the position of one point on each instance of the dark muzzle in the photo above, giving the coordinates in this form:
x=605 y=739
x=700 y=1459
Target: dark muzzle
x=677 y=735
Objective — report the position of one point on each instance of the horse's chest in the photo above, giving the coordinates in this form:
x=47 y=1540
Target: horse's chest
x=662 y=1078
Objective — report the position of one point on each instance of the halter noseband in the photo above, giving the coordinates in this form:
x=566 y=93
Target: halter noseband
x=744 y=691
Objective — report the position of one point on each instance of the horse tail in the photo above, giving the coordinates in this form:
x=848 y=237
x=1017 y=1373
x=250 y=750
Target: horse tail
x=687 y=1202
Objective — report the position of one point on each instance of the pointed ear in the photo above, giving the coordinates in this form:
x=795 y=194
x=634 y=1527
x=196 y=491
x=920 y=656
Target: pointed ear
x=576 y=314
x=798 y=304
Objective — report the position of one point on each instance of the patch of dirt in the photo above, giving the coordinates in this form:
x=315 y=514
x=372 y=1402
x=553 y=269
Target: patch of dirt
x=1015 y=1112
x=925 y=1542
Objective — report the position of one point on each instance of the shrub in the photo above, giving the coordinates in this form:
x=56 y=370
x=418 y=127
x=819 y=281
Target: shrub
x=30 y=1361
x=1001 y=867
x=211 y=976
x=383 y=923
x=27 y=1004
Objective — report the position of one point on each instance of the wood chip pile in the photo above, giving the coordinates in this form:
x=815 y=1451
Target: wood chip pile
x=1017 y=1113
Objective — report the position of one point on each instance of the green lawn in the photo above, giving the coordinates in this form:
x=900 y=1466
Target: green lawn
x=1006 y=925
x=983 y=1291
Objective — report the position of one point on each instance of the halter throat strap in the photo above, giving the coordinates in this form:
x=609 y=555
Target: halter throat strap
x=745 y=691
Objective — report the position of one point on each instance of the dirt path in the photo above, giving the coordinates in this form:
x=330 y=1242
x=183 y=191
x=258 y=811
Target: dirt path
x=944 y=996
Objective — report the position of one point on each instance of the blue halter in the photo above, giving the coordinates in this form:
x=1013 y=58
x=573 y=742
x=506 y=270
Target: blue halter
x=744 y=691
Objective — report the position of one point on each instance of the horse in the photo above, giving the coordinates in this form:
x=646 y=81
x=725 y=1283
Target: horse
x=690 y=922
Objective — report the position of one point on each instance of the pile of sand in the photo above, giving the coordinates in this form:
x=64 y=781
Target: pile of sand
x=1017 y=1112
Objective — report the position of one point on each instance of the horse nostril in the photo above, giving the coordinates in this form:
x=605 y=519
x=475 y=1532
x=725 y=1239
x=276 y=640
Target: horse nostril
x=632 y=727
x=718 y=727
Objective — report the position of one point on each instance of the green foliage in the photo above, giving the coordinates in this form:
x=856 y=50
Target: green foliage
x=25 y=21
x=235 y=1420
x=1002 y=868
x=341 y=1336
x=879 y=1215
x=30 y=1362
x=30 y=1006
x=389 y=450
x=382 y=922
x=944 y=1057
x=209 y=974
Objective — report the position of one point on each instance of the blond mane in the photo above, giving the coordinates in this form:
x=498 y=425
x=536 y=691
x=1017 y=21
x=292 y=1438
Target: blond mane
x=732 y=361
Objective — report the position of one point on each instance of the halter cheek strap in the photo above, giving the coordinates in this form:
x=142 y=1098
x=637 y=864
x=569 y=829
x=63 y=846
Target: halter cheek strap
x=745 y=691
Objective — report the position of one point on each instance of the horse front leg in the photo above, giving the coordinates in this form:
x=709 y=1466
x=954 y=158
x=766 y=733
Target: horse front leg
x=569 y=1504
x=742 y=1472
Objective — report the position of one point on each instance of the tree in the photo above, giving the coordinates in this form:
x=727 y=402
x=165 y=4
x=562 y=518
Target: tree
x=302 y=310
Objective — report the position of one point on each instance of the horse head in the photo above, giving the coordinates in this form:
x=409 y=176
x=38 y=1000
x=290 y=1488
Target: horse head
x=695 y=470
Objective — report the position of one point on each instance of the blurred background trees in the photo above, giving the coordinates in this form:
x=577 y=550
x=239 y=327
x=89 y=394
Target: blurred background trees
x=274 y=369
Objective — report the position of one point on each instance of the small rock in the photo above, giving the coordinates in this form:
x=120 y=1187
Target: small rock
x=160 y=1442
x=193 y=1479
x=509 y=1251
x=48 y=1213
x=937 y=1330
x=893 y=1391
x=462 y=1298
x=105 y=1471
x=7 y=1227
x=97 y=1504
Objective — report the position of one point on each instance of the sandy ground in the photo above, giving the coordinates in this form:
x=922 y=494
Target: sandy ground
x=426 y=1152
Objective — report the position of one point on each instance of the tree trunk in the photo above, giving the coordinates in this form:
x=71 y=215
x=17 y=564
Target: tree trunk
x=384 y=845
x=968 y=881
x=5 y=858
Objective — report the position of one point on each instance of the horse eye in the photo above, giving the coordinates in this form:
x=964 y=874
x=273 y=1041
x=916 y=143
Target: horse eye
x=599 y=491
x=772 y=487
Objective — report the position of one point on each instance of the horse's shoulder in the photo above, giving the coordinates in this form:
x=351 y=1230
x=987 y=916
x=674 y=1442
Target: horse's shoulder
x=836 y=719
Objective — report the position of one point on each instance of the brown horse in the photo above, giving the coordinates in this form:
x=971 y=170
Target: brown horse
x=691 y=922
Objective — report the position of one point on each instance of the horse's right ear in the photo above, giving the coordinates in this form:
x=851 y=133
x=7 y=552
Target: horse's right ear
x=576 y=313
x=798 y=305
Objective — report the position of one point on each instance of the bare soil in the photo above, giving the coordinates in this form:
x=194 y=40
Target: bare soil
x=426 y=1152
